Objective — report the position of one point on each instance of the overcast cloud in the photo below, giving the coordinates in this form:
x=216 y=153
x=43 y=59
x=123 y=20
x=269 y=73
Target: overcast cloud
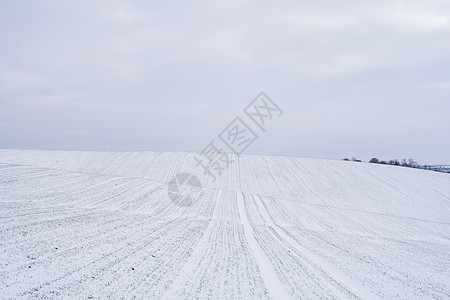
x=354 y=78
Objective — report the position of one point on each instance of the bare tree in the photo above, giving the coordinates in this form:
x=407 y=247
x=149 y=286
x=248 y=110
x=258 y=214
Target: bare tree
x=374 y=160
x=412 y=163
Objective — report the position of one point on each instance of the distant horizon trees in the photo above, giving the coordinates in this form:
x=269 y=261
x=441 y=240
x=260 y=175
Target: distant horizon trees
x=409 y=163
x=353 y=159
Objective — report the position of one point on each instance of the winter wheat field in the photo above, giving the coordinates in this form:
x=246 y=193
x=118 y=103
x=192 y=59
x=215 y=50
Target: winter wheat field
x=93 y=225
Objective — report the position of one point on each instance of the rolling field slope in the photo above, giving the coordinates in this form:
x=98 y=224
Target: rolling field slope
x=77 y=224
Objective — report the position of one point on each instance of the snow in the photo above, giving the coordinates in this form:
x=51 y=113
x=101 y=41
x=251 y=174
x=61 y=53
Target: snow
x=271 y=281
x=79 y=224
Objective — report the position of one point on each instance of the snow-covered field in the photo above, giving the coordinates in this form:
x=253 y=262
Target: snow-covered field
x=100 y=225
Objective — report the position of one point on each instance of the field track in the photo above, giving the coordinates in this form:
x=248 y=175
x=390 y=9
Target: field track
x=78 y=224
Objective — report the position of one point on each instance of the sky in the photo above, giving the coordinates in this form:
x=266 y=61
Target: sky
x=353 y=78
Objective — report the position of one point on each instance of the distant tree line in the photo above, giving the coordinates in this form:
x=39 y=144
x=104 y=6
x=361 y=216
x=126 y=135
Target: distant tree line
x=409 y=163
x=353 y=159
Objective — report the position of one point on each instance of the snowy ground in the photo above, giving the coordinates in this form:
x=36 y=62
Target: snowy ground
x=100 y=225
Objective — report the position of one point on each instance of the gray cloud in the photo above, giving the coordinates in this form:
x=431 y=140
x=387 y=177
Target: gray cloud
x=353 y=77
